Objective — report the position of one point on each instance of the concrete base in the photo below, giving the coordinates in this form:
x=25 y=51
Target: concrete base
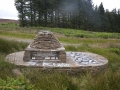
x=74 y=60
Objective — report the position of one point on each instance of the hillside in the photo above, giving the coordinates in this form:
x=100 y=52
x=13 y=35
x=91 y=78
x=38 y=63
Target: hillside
x=9 y=20
x=14 y=39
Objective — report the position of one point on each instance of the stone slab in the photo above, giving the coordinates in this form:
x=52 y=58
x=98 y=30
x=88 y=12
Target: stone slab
x=75 y=60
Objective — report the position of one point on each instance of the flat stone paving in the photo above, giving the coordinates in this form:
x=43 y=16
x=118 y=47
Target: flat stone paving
x=73 y=59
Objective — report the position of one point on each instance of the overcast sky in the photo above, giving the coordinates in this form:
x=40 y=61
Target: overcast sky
x=108 y=4
x=8 y=10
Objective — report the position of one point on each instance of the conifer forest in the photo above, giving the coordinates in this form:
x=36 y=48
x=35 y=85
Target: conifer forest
x=75 y=14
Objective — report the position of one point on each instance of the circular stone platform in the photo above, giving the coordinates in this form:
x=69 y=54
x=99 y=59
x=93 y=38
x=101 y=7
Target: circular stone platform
x=74 y=60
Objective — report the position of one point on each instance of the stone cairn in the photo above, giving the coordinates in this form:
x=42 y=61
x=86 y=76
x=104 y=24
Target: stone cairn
x=45 y=47
x=45 y=40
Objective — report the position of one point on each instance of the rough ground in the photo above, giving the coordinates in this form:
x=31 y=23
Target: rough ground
x=17 y=39
x=30 y=40
x=17 y=72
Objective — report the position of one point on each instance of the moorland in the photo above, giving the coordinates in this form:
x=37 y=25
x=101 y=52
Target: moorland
x=14 y=39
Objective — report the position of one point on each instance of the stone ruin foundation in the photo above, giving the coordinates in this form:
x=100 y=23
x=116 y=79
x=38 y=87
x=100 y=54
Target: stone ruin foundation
x=46 y=52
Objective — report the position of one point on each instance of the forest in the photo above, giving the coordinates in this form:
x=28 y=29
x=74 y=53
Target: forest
x=75 y=14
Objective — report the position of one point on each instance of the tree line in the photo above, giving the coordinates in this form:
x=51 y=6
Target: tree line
x=76 y=14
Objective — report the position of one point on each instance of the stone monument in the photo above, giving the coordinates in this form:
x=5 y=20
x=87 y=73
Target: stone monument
x=47 y=53
x=45 y=47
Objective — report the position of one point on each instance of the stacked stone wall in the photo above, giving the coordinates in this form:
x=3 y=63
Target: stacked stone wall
x=45 y=40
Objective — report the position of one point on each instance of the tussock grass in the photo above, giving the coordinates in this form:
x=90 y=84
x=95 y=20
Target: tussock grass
x=6 y=69
x=50 y=80
x=108 y=80
x=7 y=47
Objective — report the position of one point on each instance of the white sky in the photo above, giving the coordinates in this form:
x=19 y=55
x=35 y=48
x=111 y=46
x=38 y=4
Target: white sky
x=108 y=4
x=8 y=10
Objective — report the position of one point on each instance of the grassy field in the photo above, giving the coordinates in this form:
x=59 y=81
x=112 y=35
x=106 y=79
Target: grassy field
x=66 y=32
x=94 y=42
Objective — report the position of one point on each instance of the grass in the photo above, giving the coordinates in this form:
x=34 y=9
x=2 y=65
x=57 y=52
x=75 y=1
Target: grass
x=106 y=80
x=11 y=46
x=66 y=32
x=17 y=34
x=53 y=80
x=82 y=33
x=7 y=47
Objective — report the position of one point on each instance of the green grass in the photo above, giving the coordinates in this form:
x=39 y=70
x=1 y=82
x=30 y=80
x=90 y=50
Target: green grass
x=18 y=83
x=74 y=40
x=53 y=80
x=17 y=34
x=8 y=25
x=66 y=32
x=11 y=46
x=82 y=33
x=108 y=79
x=7 y=47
